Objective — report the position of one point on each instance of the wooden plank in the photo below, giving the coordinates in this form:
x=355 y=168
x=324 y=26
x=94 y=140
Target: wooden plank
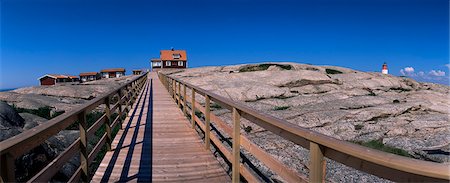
x=83 y=147
x=207 y=123
x=236 y=156
x=179 y=165
x=282 y=170
x=184 y=99
x=170 y=133
x=108 y=123
x=244 y=170
x=193 y=108
x=8 y=167
x=317 y=163
x=76 y=176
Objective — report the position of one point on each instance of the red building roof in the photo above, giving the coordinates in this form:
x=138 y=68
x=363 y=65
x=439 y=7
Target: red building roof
x=113 y=70
x=88 y=73
x=173 y=55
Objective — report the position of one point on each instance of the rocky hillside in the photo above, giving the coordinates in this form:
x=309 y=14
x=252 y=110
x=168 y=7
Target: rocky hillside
x=55 y=99
x=61 y=97
x=350 y=105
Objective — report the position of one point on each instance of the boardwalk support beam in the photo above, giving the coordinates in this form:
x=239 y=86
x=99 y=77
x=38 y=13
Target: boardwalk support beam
x=236 y=146
x=7 y=168
x=184 y=99
x=193 y=108
x=317 y=163
x=207 y=122
x=108 y=123
x=84 y=155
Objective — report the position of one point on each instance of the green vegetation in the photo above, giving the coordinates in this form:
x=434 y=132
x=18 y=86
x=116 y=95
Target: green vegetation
x=263 y=67
x=216 y=106
x=359 y=126
x=378 y=144
x=332 y=71
x=101 y=154
x=44 y=112
x=279 y=108
x=400 y=89
x=90 y=119
x=198 y=113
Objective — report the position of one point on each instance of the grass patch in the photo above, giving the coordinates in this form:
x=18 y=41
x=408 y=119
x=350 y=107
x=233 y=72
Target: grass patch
x=198 y=114
x=378 y=144
x=263 y=67
x=332 y=71
x=358 y=127
x=279 y=108
x=91 y=118
x=216 y=106
x=44 y=112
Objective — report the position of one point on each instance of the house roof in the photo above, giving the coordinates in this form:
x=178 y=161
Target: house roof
x=113 y=70
x=169 y=55
x=137 y=70
x=88 y=73
x=73 y=77
x=155 y=59
x=54 y=76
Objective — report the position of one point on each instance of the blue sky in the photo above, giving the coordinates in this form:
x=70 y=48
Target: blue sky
x=73 y=36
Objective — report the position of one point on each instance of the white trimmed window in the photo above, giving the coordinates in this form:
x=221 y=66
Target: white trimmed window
x=168 y=63
x=176 y=56
x=180 y=63
x=157 y=64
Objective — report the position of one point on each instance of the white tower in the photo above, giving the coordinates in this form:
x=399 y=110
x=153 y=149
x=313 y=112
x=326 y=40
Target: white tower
x=384 y=69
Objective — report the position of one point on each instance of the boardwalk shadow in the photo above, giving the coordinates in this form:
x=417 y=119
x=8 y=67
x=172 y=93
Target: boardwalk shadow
x=144 y=173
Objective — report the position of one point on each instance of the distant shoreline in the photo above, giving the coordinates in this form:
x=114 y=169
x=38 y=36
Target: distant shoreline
x=7 y=89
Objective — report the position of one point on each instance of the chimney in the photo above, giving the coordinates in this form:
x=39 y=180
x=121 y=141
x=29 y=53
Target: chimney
x=384 y=69
x=172 y=48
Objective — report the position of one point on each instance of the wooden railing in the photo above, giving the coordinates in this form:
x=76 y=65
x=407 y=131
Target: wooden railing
x=378 y=163
x=16 y=146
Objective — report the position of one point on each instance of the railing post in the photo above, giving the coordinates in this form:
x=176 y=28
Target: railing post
x=84 y=155
x=134 y=92
x=236 y=146
x=7 y=168
x=184 y=99
x=173 y=89
x=179 y=94
x=193 y=108
x=108 y=123
x=317 y=163
x=207 y=122
x=120 y=108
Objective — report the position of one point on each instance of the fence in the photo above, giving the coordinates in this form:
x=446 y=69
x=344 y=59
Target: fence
x=16 y=146
x=378 y=163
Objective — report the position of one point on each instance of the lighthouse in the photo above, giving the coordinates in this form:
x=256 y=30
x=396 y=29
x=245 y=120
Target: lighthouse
x=384 y=69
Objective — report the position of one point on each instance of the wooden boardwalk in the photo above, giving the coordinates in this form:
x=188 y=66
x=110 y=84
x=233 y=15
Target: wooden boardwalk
x=158 y=145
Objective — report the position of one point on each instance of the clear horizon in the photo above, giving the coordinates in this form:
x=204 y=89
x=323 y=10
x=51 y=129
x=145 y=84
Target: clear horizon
x=40 y=37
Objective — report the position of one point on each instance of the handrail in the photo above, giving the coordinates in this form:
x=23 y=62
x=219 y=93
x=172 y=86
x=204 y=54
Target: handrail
x=12 y=148
x=378 y=163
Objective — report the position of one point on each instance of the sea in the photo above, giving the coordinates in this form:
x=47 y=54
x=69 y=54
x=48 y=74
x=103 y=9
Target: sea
x=7 y=89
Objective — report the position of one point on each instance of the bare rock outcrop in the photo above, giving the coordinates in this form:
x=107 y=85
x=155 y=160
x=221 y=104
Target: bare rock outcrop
x=343 y=103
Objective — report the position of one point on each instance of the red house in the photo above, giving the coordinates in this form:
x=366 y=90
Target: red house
x=52 y=79
x=170 y=59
